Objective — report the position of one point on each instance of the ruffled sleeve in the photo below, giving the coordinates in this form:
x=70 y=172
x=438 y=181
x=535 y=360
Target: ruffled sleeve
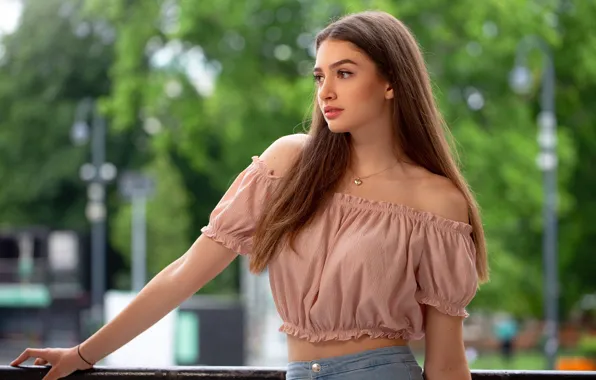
x=446 y=275
x=232 y=222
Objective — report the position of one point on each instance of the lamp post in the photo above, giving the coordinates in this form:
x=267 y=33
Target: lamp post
x=138 y=187
x=520 y=81
x=96 y=174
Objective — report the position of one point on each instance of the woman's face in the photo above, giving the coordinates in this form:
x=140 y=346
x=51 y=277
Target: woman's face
x=350 y=92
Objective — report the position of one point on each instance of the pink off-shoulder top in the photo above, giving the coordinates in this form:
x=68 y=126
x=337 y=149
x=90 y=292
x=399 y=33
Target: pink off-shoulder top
x=362 y=267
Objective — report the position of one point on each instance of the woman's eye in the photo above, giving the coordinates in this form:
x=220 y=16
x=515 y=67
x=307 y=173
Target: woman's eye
x=344 y=74
x=317 y=78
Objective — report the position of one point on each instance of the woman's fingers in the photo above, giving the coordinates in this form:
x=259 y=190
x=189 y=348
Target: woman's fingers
x=30 y=353
x=63 y=361
x=40 y=361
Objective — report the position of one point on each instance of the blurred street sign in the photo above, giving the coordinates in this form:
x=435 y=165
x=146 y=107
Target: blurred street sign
x=135 y=184
x=24 y=295
x=63 y=251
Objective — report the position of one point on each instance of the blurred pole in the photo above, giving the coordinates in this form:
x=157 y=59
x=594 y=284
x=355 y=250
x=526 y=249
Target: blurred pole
x=138 y=188
x=139 y=251
x=96 y=174
x=548 y=143
x=547 y=162
x=98 y=219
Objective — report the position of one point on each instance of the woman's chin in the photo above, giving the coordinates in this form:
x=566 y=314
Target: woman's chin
x=337 y=127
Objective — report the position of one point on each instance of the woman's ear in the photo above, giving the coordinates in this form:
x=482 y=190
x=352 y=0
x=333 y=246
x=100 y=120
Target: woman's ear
x=389 y=92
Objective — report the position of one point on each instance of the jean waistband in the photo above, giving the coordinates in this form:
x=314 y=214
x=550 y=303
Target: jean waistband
x=351 y=362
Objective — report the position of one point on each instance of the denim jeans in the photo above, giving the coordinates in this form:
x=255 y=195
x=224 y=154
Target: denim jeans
x=389 y=363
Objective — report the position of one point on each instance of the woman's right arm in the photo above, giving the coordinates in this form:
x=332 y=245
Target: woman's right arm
x=178 y=281
x=181 y=279
x=204 y=260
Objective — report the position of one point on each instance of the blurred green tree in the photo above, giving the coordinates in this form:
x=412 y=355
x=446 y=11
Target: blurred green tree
x=59 y=55
x=576 y=90
x=53 y=60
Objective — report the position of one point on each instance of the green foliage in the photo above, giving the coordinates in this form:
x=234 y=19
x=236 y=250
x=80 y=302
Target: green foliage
x=50 y=63
x=587 y=346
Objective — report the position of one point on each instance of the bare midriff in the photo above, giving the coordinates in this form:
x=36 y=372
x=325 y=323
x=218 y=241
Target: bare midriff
x=303 y=350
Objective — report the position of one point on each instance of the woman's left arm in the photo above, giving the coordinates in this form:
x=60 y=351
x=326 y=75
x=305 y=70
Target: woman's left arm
x=445 y=356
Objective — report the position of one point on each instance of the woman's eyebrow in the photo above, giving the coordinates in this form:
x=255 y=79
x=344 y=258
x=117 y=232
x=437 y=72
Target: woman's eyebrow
x=335 y=64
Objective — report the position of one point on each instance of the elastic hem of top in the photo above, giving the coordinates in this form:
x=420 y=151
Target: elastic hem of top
x=369 y=204
x=442 y=305
x=424 y=216
x=342 y=335
x=227 y=241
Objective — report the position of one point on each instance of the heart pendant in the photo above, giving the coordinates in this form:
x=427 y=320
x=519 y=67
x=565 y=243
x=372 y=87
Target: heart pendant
x=358 y=182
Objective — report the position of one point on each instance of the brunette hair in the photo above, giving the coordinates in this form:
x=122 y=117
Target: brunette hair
x=419 y=128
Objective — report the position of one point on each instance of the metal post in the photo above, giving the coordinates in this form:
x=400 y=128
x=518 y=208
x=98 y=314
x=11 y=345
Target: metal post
x=97 y=174
x=139 y=252
x=547 y=161
x=98 y=222
x=547 y=140
x=138 y=188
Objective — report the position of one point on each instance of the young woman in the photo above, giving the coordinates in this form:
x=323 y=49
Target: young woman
x=369 y=233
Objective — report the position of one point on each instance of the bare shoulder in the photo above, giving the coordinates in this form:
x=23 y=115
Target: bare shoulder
x=443 y=198
x=283 y=152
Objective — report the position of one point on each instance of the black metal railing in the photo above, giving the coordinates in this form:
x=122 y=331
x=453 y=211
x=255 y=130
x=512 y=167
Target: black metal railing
x=249 y=373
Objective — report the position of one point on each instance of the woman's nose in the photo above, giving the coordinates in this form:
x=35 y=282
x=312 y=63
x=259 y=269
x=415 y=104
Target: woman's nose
x=326 y=90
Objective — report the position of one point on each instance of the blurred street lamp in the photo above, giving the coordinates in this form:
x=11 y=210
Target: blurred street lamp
x=96 y=174
x=79 y=133
x=520 y=80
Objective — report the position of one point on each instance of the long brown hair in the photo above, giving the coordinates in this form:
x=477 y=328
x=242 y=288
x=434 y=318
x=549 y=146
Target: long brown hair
x=419 y=128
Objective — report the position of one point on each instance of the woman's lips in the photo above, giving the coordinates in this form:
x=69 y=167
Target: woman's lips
x=332 y=112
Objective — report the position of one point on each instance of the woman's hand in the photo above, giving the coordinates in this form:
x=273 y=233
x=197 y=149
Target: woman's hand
x=64 y=361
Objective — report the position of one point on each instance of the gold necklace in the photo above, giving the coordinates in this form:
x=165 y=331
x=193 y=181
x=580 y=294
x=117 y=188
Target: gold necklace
x=358 y=180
